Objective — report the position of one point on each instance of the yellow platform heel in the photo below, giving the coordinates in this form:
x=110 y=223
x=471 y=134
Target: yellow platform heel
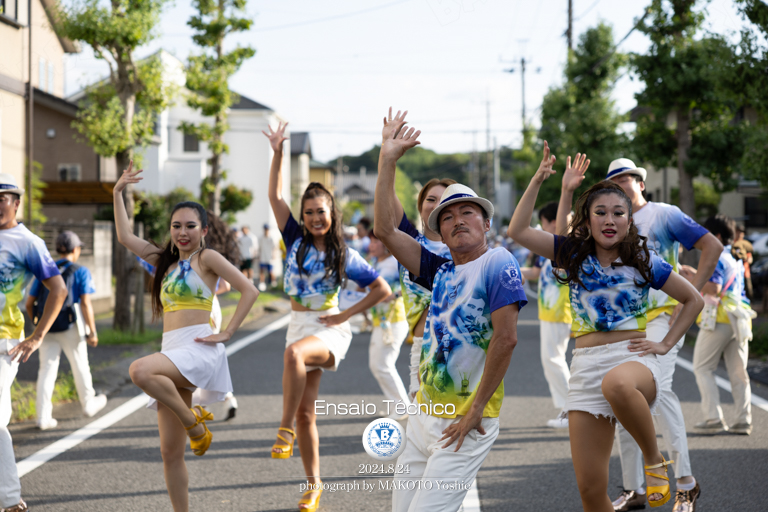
x=311 y=504
x=201 y=443
x=659 y=489
x=284 y=454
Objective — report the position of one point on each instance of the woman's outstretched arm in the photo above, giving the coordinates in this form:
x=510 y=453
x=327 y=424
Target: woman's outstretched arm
x=536 y=240
x=125 y=236
x=275 y=192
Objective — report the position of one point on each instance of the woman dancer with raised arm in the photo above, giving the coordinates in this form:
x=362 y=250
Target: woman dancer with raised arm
x=191 y=356
x=317 y=263
x=614 y=371
x=415 y=296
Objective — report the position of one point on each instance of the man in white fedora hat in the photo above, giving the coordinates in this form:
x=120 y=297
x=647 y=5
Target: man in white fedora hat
x=22 y=255
x=666 y=227
x=470 y=333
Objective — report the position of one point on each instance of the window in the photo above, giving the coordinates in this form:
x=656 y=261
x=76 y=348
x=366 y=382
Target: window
x=755 y=212
x=42 y=69
x=191 y=144
x=8 y=8
x=51 y=75
x=69 y=172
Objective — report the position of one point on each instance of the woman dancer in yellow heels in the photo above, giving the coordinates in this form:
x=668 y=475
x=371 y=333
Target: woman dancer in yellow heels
x=317 y=263
x=191 y=356
x=614 y=371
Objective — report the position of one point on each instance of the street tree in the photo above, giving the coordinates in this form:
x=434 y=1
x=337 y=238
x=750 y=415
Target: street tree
x=208 y=75
x=118 y=114
x=580 y=116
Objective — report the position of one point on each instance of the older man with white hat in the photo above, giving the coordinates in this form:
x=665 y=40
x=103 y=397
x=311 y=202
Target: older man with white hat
x=468 y=340
x=666 y=227
x=22 y=255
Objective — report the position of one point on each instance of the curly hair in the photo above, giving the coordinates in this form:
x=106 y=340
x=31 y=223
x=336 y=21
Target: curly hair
x=579 y=243
x=335 y=246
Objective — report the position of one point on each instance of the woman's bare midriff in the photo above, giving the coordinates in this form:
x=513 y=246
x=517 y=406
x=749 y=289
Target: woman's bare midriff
x=184 y=318
x=596 y=339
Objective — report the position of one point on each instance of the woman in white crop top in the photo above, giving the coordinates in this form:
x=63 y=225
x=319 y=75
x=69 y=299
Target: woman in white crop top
x=609 y=270
x=192 y=358
x=318 y=336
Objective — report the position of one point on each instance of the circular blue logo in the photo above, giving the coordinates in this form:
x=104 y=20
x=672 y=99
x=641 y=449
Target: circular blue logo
x=384 y=439
x=510 y=277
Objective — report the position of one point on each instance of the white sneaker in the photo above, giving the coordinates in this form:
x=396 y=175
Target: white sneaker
x=558 y=423
x=94 y=405
x=262 y=287
x=230 y=405
x=47 y=424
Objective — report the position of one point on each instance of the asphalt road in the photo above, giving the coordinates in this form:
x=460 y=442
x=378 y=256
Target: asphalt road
x=529 y=468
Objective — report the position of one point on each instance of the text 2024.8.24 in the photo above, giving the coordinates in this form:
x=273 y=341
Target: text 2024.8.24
x=383 y=469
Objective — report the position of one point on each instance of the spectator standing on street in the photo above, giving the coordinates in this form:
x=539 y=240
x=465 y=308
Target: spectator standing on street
x=666 y=229
x=319 y=335
x=192 y=356
x=725 y=329
x=249 y=249
x=554 y=320
x=742 y=250
x=72 y=332
x=266 y=256
x=22 y=255
x=615 y=374
x=469 y=337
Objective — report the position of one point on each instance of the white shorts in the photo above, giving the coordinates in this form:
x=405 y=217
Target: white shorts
x=337 y=338
x=203 y=364
x=588 y=369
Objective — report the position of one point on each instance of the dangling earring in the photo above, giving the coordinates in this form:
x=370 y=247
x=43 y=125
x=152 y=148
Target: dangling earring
x=202 y=243
x=589 y=234
x=174 y=249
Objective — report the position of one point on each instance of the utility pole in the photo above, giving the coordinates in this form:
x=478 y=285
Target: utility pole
x=30 y=122
x=569 y=33
x=496 y=172
x=522 y=79
x=475 y=165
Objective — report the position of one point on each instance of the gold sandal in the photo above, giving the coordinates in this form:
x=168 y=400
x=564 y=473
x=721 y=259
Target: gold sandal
x=283 y=454
x=313 y=503
x=201 y=443
x=659 y=489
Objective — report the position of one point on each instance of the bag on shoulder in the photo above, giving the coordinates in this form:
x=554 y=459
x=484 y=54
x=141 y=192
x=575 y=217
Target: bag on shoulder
x=66 y=316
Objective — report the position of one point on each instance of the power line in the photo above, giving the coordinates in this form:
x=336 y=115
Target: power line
x=330 y=18
x=587 y=11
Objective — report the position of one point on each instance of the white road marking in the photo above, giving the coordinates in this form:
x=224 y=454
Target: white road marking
x=757 y=401
x=42 y=456
x=471 y=501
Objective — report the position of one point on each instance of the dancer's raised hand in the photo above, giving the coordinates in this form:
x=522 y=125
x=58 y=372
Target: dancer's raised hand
x=574 y=174
x=545 y=167
x=276 y=137
x=396 y=137
x=129 y=176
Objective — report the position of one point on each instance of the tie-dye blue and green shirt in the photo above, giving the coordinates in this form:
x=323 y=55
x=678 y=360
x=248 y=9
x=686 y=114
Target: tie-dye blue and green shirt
x=415 y=296
x=729 y=270
x=393 y=310
x=666 y=227
x=312 y=288
x=553 y=296
x=459 y=326
x=22 y=255
x=611 y=298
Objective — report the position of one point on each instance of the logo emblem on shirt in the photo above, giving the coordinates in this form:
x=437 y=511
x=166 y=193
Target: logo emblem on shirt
x=510 y=277
x=384 y=439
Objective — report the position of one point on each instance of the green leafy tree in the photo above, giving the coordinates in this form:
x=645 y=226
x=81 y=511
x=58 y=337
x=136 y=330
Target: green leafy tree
x=208 y=77
x=233 y=200
x=579 y=116
x=705 y=197
x=119 y=113
x=155 y=212
x=35 y=195
x=683 y=76
x=406 y=193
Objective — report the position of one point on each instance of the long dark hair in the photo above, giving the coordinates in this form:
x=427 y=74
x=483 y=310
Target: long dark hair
x=335 y=247
x=222 y=239
x=633 y=248
x=170 y=255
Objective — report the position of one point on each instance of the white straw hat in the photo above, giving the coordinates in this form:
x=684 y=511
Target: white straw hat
x=8 y=185
x=458 y=193
x=625 y=166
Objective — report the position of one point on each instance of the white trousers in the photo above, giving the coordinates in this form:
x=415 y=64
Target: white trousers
x=382 y=356
x=669 y=418
x=76 y=350
x=710 y=345
x=413 y=388
x=441 y=477
x=10 y=485
x=554 y=343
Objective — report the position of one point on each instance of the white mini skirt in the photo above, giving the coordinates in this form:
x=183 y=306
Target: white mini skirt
x=337 y=338
x=203 y=364
x=588 y=369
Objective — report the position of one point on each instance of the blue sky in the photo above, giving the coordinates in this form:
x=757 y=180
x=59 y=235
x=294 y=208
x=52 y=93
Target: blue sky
x=334 y=67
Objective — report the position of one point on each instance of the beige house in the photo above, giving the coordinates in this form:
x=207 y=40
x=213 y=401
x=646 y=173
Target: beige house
x=47 y=74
